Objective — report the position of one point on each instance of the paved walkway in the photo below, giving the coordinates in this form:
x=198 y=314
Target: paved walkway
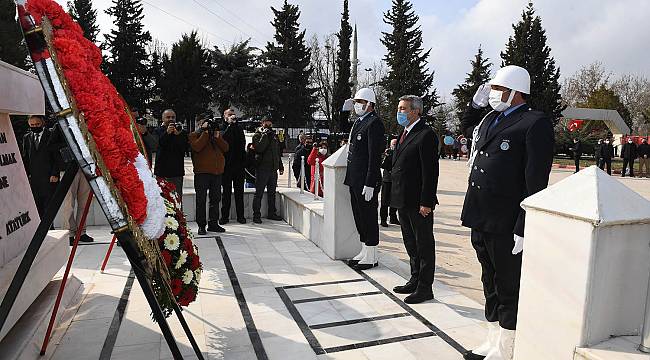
x=266 y=293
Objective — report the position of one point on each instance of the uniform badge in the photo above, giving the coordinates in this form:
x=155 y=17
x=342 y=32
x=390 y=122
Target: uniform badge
x=359 y=137
x=505 y=146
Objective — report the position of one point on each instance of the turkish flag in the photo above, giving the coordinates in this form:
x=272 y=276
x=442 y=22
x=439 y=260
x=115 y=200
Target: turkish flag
x=574 y=125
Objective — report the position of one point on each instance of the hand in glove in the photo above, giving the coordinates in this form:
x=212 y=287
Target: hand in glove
x=348 y=105
x=367 y=192
x=482 y=96
x=519 y=245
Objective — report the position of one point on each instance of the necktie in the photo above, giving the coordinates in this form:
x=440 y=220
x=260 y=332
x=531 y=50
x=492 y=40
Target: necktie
x=37 y=141
x=495 y=122
x=401 y=139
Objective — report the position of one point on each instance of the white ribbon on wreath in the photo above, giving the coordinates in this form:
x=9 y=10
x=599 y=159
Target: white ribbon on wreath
x=154 y=224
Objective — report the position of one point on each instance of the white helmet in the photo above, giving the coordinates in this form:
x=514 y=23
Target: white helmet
x=365 y=94
x=513 y=77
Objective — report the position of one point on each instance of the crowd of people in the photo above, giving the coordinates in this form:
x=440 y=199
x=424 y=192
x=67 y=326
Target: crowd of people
x=605 y=152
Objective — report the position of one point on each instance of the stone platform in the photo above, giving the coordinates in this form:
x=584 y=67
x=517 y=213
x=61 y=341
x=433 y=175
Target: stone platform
x=266 y=292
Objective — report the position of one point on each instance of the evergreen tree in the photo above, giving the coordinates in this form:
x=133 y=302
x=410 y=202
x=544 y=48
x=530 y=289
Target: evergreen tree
x=527 y=48
x=290 y=52
x=156 y=75
x=406 y=59
x=185 y=82
x=342 y=85
x=231 y=78
x=127 y=62
x=12 y=45
x=480 y=74
x=83 y=13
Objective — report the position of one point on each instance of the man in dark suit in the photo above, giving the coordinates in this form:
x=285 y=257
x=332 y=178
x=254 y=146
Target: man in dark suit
x=233 y=176
x=414 y=185
x=385 y=208
x=40 y=152
x=629 y=154
x=577 y=152
x=511 y=159
x=363 y=176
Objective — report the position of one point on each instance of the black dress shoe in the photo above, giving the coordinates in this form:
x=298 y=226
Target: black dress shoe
x=361 y=267
x=418 y=297
x=275 y=217
x=257 y=220
x=85 y=238
x=383 y=224
x=241 y=220
x=223 y=221
x=471 y=356
x=216 y=228
x=408 y=288
x=202 y=230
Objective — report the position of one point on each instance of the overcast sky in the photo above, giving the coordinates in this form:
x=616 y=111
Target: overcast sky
x=579 y=32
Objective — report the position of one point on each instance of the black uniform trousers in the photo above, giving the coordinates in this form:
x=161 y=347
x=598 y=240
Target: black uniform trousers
x=576 y=159
x=207 y=185
x=233 y=180
x=501 y=272
x=417 y=232
x=365 y=216
x=626 y=163
x=385 y=202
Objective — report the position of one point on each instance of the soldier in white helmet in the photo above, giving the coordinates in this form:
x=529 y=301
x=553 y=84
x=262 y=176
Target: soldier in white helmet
x=363 y=175
x=511 y=159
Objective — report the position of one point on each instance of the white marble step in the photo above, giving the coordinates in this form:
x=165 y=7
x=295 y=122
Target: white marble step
x=618 y=348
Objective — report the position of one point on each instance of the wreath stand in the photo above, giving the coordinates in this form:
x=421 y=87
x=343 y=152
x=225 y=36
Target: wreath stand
x=140 y=257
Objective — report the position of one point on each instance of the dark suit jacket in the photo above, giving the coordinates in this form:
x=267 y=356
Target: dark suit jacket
x=236 y=155
x=364 y=153
x=387 y=165
x=415 y=169
x=512 y=162
x=43 y=162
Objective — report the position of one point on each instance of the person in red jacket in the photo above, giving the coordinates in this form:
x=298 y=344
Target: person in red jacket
x=321 y=154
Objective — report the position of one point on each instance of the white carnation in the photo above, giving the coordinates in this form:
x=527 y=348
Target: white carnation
x=188 y=276
x=181 y=259
x=172 y=242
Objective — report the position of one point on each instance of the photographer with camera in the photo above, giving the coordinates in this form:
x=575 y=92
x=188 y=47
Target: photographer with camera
x=170 y=158
x=208 y=148
x=269 y=162
x=233 y=175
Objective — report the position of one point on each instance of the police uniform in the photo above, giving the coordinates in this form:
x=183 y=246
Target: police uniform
x=512 y=159
x=366 y=147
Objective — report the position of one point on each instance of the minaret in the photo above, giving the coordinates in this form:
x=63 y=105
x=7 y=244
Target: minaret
x=355 y=61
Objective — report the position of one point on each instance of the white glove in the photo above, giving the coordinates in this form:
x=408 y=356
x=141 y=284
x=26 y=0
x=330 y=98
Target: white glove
x=348 y=105
x=367 y=192
x=519 y=245
x=482 y=96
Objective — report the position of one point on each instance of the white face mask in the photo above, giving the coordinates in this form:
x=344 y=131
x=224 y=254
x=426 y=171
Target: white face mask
x=360 y=109
x=495 y=100
x=322 y=151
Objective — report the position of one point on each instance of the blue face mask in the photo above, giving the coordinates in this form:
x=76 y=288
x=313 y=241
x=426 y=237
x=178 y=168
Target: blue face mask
x=402 y=119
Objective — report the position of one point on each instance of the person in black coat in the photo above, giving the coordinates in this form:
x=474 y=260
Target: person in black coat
x=577 y=152
x=387 y=165
x=300 y=157
x=233 y=175
x=363 y=175
x=40 y=152
x=629 y=154
x=415 y=183
x=170 y=158
x=607 y=153
x=598 y=154
x=644 y=158
x=510 y=160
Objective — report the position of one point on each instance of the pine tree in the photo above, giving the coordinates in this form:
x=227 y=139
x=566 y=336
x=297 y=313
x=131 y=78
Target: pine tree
x=290 y=52
x=406 y=59
x=185 y=82
x=83 y=13
x=12 y=44
x=342 y=85
x=156 y=76
x=231 y=77
x=480 y=74
x=127 y=63
x=527 y=48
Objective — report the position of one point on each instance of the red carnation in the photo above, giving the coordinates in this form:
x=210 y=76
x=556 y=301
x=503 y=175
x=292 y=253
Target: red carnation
x=167 y=257
x=177 y=286
x=195 y=263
